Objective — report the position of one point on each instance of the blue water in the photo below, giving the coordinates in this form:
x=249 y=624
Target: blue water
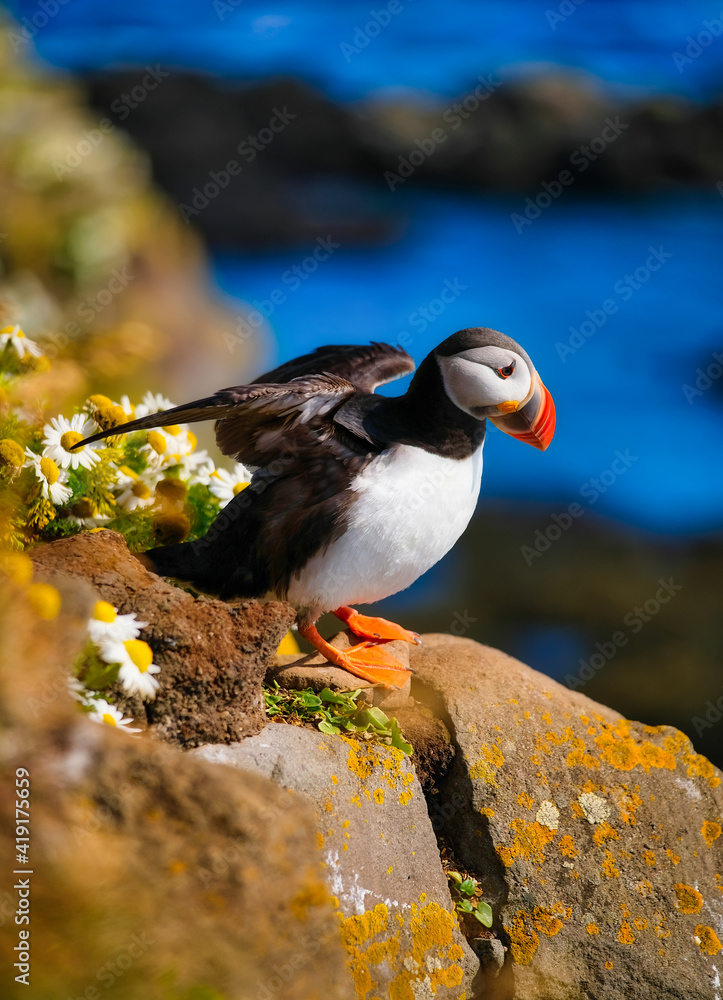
x=621 y=391
x=433 y=46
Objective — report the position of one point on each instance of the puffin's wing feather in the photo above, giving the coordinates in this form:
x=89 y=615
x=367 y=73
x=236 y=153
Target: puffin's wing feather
x=366 y=366
x=211 y=408
x=283 y=419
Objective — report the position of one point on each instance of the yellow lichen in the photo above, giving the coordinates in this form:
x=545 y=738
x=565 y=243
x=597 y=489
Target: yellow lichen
x=608 y=964
x=609 y=868
x=379 y=796
x=592 y=928
x=707 y=940
x=649 y=858
x=486 y=768
x=675 y=858
x=641 y=923
x=523 y=941
x=530 y=841
x=689 y=899
x=711 y=831
x=523 y=799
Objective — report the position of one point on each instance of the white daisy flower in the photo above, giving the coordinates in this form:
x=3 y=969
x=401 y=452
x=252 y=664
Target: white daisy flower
x=137 y=495
x=203 y=470
x=226 y=485
x=109 y=715
x=136 y=666
x=156 y=449
x=51 y=477
x=127 y=407
x=107 y=625
x=60 y=436
x=21 y=344
x=153 y=402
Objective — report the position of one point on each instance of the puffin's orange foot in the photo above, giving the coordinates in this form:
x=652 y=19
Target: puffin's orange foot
x=375 y=628
x=373 y=663
x=368 y=660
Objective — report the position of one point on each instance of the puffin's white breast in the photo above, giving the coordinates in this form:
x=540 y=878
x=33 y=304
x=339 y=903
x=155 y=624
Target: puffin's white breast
x=411 y=507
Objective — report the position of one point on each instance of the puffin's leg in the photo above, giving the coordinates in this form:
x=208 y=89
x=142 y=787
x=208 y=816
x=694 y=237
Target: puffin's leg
x=376 y=629
x=367 y=660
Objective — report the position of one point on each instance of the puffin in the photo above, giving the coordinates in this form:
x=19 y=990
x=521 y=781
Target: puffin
x=354 y=495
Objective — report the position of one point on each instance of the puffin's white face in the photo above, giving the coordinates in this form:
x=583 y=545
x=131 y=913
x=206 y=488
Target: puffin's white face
x=487 y=381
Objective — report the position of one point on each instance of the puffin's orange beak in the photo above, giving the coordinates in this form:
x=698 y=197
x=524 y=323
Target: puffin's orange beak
x=533 y=422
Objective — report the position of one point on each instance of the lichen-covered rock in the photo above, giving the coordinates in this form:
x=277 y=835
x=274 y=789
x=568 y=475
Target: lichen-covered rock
x=597 y=840
x=156 y=874
x=213 y=655
x=381 y=857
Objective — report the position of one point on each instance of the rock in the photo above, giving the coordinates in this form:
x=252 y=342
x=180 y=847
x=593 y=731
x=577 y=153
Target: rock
x=597 y=840
x=151 y=872
x=213 y=655
x=315 y=671
x=491 y=954
x=381 y=857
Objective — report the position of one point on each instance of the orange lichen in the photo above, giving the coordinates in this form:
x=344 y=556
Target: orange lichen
x=689 y=899
x=609 y=868
x=546 y=717
x=625 y=935
x=707 y=940
x=649 y=858
x=523 y=941
x=675 y=858
x=641 y=923
x=547 y=919
x=608 y=964
x=621 y=750
x=567 y=847
x=579 y=757
x=530 y=841
x=523 y=799
x=628 y=803
x=711 y=831
x=604 y=832
x=592 y=928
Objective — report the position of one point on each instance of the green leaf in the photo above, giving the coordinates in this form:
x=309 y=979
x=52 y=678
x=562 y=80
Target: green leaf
x=328 y=728
x=398 y=740
x=337 y=698
x=467 y=887
x=465 y=906
x=483 y=913
x=310 y=700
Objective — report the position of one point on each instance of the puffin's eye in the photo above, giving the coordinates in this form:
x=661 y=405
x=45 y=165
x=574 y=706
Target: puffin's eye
x=506 y=371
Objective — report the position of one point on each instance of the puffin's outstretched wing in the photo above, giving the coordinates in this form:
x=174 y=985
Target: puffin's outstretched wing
x=364 y=365
x=257 y=423
x=327 y=376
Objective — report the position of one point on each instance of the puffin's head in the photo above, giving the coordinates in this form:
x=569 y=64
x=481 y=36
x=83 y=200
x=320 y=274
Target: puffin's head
x=487 y=374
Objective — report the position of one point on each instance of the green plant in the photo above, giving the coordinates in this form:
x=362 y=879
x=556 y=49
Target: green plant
x=466 y=893
x=334 y=712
